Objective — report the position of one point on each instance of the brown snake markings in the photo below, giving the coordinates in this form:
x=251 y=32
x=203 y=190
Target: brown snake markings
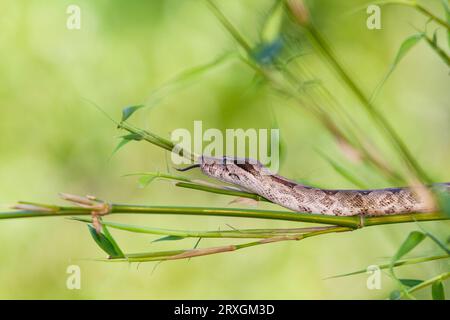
x=253 y=177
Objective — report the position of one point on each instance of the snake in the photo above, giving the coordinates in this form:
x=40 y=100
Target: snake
x=251 y=176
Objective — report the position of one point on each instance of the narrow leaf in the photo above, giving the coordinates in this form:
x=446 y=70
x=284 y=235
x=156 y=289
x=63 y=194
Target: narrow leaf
x=447 y=14
x=184 y=79
x=128 y=111
x=441 y=53
x=144 y=181
x=413 y=239
x=125 y=140
x=103 y=242
x=397 y=264
x=168 y=238
x=108 y=235
x=132 y=136
x=410 y=282
x=120 y=145
x=437 y=290
x=440 y=244
x=405 y=47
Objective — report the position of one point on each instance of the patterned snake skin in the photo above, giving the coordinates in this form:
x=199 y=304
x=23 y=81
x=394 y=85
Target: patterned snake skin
x=254 y=177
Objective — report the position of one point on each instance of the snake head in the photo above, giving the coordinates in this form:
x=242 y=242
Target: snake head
x=231 y=169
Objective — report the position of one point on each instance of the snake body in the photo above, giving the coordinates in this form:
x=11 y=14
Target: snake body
x=254 y=177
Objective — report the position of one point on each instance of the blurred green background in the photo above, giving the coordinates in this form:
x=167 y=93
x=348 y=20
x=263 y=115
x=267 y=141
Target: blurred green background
x=52 y=140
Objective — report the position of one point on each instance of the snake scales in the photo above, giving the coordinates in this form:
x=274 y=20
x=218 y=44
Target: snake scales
x=253 y=177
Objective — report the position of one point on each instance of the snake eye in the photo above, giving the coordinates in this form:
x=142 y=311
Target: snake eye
x=197 y=165
x=234 y=176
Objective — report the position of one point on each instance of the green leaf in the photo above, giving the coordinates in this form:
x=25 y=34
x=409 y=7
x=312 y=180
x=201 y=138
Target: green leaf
x=447 y=14
x=132 y=136
x=120 y=145
x=128 y=111
x=410 y=282
x=405 y=47
x=395 y=295
x=108 y=235
x=440 y=244
x=397 y=264
x=125 y=140
x=168 y=238
x=413 y=239
x=435 y=38
x=437 y=290
x=144 y=181
x=177 y=83
x=441 y=53
x=104 y=243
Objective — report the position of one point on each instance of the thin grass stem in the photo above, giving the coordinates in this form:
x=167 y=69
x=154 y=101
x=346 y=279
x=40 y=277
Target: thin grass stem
x=322 y=46
x=235 y=233
x=191 y=253
x=24 y=211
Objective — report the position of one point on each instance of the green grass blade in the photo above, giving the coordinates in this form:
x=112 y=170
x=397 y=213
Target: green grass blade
x=427 y=283
x=435 y=239
x=439 y=243
x=104 y=243
x=405 y=47
x=446 y=6
x=441 y=53
x=144 y=181
x=229 y=27
x=410 y=282
x=117 y=249
x=124 y=141
x=176 y=83
x=437 y=290
x=128 y=111
x=223 y=191
x=412 y=241
x=396 y=264
x=169 y=238
x=321 y=45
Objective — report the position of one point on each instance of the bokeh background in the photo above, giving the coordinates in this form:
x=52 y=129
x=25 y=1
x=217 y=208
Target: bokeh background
x=52 y=140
